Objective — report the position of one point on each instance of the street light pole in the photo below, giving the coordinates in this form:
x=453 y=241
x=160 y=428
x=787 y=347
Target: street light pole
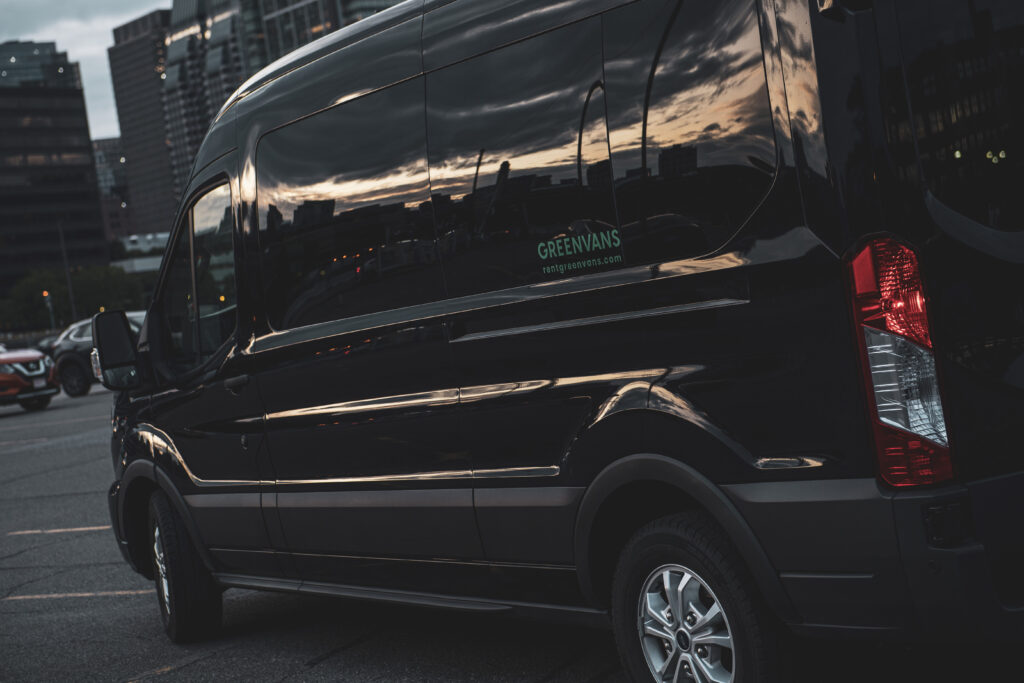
x=67 y=270
x=49 y=307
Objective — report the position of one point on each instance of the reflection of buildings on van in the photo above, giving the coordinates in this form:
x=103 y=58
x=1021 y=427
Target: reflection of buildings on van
x=966 y=96
x=535 y=206
x=313 y=212
x=677 y=160
x=355 y=247
x=599 y=176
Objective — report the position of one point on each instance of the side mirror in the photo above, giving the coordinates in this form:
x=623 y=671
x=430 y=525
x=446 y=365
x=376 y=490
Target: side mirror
x=113 y=353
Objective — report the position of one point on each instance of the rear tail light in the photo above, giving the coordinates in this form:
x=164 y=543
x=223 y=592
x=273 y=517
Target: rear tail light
x=890 y=310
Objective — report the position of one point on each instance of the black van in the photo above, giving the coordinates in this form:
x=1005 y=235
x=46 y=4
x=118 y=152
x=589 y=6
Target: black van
x=701 y=317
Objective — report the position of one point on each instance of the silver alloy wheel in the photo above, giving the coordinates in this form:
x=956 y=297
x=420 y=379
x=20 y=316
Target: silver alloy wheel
x=161 y=568
x=684 y=633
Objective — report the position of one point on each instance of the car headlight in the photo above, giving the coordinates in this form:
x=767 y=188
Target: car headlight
x=6 y=369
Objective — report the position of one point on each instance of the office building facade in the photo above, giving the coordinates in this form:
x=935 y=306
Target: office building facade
x=212 y=46
x=112 y=182
x=137 y=66
x=353 y=10
x=47 y=175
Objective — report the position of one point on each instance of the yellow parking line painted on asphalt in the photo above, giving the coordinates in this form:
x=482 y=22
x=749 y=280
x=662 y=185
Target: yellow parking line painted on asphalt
x=98 y=594
x=31 y=532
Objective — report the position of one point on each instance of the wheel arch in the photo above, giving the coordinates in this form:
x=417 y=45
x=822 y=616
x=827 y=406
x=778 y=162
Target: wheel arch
x=140 y=479
x=655 y=473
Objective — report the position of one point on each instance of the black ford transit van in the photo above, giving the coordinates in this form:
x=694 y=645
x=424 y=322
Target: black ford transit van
x=703 y=318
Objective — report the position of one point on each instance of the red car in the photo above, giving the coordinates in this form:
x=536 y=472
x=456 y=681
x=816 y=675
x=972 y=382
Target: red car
x=27 y=377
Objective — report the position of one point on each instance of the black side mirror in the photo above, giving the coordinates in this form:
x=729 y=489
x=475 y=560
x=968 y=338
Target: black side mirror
x=113 y=353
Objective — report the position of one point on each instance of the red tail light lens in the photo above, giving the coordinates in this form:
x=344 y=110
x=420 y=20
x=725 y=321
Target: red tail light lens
x=906 y=460
x=894 y=339
x=889 y=292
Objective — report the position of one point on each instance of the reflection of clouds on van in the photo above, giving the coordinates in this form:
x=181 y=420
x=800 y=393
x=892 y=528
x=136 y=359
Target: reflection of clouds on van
x=340 y=225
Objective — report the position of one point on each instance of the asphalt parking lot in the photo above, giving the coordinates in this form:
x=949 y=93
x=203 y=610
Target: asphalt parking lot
x=71 y=609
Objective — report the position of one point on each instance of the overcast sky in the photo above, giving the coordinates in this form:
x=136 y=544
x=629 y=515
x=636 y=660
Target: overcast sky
x=84 y=29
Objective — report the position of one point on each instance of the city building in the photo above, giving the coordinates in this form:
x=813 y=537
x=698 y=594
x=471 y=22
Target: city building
x=354 y=10
x=48 y=191
x=288 y=24
x=235 y=47
x=111 y=179
x=186 y=105
x=211 y=47
x=137 y=66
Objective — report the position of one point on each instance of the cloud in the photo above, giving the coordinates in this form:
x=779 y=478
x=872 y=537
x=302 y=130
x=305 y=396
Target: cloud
x=84 y=30
x=23 y=18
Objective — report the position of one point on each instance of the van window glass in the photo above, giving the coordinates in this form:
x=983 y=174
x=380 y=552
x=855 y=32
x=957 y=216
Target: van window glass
x=345 y=221
x=177 y=312
x=964 y=71
x=690 y=124
x=519 y=164
x=213 y=249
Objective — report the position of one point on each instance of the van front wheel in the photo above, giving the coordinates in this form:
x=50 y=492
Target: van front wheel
x=683 y=607
x=190 y=600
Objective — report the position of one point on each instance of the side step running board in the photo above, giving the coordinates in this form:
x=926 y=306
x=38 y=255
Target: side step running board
x=585 y=615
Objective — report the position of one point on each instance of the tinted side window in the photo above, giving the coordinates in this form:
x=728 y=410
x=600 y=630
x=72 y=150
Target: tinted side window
x=177 y=313
x=197 y=299
x=519 y=163
x=964 y=70
x=213 y=247
x=690 y=123
x=345 y=223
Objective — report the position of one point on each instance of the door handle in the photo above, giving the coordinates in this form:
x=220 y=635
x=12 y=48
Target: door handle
x=235 y=384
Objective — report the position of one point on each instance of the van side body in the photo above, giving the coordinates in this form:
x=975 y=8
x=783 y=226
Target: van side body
x=513 y=279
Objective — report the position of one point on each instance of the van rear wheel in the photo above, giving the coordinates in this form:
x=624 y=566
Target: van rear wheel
x=190 y=600
x=684 y=608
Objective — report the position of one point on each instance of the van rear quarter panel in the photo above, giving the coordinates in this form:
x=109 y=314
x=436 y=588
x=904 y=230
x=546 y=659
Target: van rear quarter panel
x=748 y=336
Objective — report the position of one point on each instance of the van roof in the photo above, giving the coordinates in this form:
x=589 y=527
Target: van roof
x=323 y=46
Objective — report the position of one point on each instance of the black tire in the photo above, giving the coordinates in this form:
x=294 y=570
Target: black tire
x=191 y=603
x=694 y=541
x=74 y=380
x=34 y=404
